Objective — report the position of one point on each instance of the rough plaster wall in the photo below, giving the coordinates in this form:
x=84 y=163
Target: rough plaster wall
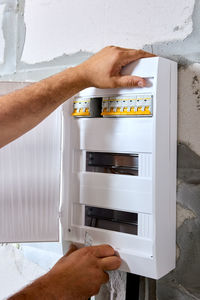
x=21 y=264
x=167 y=28
x=2 y=44
x=189 y=106
x=15 y=270
x=92 y=24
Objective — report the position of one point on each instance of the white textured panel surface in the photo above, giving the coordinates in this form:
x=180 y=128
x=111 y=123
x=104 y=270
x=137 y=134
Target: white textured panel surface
x=2 y=43
x=117 y=138
x=30 y=184
x=91 y=24
x=128 y=193
x=145 y=225
x=118 y=240
x=145 y=165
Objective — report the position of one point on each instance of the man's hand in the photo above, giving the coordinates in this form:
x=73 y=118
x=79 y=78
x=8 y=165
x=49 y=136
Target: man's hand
x=103 y=69
x=81 y=274
x=76 y=276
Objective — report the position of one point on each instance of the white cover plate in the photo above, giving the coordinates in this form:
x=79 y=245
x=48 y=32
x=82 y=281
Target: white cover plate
x=30 y=182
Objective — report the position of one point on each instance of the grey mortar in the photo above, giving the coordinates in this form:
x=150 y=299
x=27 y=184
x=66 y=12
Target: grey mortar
x=196 y=90
x=186 y=51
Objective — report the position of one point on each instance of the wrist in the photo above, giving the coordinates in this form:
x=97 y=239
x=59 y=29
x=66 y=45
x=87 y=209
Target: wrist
x=54 y=288
x=81 y=71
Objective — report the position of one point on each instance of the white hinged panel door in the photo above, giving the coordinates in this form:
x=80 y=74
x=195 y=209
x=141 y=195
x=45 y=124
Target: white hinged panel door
x=30 y=181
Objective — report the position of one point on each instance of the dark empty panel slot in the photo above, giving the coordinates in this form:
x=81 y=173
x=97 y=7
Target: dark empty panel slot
x=113 y=220
x=95 y=107
x=115 y=163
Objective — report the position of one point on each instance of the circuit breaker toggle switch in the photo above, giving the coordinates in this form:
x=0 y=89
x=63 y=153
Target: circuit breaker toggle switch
x=87 y=107
x=134 y=105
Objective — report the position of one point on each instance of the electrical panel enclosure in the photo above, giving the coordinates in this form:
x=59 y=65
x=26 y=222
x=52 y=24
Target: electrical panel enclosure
x=119 y=168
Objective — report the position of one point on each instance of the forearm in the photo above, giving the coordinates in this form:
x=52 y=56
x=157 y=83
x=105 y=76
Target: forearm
x=78 y=275
x=47 y=287
x=23 y=109
x=43 y=289
x=37 y=290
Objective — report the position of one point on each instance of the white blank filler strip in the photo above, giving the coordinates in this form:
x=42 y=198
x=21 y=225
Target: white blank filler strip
x=145 y=165
x=145 y=225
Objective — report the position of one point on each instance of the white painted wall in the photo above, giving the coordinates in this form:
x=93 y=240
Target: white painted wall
x=54 y=28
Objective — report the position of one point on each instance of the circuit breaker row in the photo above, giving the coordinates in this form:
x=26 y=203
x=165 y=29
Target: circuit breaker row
x=120 y=106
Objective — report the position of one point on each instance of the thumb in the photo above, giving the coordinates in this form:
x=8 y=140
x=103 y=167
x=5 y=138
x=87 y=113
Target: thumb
x=72 y=248
x=129 y=81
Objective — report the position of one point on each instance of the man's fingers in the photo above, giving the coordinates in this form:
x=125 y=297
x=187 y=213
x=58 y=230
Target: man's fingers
x=72 y=248
x=110 y=263
x=102 y=251
x=132 y=54
x=129 y=81
x=129 y=55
